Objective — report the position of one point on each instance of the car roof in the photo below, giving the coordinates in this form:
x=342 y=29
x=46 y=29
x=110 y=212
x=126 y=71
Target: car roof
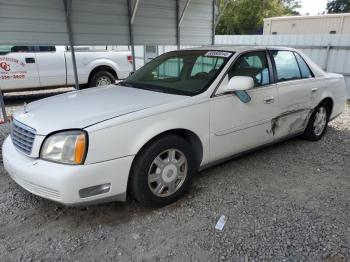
x=238 y=49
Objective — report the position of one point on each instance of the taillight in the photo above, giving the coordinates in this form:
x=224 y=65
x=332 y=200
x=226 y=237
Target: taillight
x=129 y=57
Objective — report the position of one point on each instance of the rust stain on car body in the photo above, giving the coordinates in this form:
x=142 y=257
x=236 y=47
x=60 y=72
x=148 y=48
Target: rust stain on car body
x=292 y=121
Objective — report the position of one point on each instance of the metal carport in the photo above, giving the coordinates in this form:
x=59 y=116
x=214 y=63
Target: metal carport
x=107 y=22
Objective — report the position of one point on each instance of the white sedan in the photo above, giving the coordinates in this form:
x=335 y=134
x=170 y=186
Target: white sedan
x=181 y=112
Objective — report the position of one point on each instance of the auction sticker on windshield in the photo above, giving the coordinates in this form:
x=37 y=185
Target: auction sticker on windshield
x=218 y=54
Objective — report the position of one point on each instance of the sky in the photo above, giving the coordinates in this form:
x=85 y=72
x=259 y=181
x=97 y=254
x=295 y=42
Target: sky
x=313 y=7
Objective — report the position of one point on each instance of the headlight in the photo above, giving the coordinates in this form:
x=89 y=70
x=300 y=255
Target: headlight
x=68 y=147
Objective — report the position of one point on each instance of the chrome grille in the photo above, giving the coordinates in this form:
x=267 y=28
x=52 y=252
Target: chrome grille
x=22 y=137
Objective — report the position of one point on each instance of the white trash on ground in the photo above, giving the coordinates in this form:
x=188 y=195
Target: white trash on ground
x=221 y=223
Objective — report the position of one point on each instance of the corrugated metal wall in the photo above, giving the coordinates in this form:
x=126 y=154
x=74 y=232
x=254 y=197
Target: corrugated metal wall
x=29 y=21
x=102 y=22
x=330 y=52
x=196 y=28
x=155 y=22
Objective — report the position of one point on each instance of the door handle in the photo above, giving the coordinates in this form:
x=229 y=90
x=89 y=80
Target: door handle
x=313 y=90
x=269 y=100
x=30 y=60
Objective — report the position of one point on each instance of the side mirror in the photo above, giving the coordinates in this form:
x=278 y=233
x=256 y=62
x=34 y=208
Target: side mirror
x=239 y=83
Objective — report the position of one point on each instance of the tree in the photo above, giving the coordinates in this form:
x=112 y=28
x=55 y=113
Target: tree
x=338 y=6
x=247 y=16
x=291 y=6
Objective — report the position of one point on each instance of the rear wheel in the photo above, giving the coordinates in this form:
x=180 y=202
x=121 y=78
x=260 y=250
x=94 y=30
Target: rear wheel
x=101 y=78
x=317 y=125
x=162 y=172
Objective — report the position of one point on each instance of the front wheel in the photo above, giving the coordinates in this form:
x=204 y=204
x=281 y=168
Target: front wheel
x=162 y=171
x=318 y=123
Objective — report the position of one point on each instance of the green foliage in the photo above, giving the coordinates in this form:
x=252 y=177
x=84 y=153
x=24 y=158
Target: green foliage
x=291 y=6
x=338 y=6
x=246 y=16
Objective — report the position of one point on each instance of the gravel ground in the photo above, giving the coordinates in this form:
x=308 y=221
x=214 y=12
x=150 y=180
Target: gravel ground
x=287 y=202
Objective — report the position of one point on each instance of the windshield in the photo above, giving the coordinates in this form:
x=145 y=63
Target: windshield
x=180 y=72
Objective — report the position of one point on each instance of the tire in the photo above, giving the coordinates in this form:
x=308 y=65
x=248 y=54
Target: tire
x=154 y=168
x=101 y=78
x=313 y=131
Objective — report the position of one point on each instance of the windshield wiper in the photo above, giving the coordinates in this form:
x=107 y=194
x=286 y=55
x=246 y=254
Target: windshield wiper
x=124 y=83
x=143 y=86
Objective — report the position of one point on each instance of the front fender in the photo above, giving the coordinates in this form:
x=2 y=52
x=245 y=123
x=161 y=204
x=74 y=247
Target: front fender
x=127 y=139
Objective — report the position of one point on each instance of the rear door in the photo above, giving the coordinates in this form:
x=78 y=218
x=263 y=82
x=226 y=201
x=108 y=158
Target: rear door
x=18 y=68
x=294 y=83
x=51 y=65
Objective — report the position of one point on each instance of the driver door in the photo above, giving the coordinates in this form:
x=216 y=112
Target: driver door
x=237 y=126
x=18 y=68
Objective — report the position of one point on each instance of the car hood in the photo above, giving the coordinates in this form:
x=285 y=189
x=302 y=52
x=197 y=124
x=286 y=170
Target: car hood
x=79 y=109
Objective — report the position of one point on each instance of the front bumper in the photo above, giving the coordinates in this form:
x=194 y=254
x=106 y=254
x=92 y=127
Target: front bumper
x=61 y=183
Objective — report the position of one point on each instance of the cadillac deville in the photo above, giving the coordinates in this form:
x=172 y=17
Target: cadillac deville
x=181 y=112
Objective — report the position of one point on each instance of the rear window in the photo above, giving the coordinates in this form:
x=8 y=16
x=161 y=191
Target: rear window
x=49 y=48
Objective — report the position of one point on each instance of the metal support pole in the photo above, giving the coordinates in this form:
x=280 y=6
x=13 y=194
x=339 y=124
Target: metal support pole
x=184 y=12
x=131 y=36
x=327 y=57
x=213 y=24
x=68 y=8
x=4 y=115
x=177 y=9
x=134 y=10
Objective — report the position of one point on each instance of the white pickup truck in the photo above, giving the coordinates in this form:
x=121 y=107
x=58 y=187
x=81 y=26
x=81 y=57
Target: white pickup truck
x=39 y=67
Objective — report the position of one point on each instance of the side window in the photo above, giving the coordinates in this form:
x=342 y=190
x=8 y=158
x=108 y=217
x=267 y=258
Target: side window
x=252 y=64
x=22 y=49
x=207 y=65
x=48 y=48
x=5 y=49
x=304 y=68
x=286 y=66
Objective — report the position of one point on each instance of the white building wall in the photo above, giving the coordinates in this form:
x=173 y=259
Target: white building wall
x=324 y=24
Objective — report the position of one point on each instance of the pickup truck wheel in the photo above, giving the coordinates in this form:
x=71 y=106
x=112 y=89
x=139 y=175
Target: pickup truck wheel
x=102 y=78
x=318 y=123
x=162 y=172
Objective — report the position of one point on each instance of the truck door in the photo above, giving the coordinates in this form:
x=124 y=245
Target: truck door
x=51 y=65
x=18 y=68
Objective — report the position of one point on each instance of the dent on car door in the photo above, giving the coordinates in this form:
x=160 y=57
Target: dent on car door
x=295 y=82
x=18 y=67
x=237 y=126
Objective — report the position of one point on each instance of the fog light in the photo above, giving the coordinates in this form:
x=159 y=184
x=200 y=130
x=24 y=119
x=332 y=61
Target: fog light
x=94 y=190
